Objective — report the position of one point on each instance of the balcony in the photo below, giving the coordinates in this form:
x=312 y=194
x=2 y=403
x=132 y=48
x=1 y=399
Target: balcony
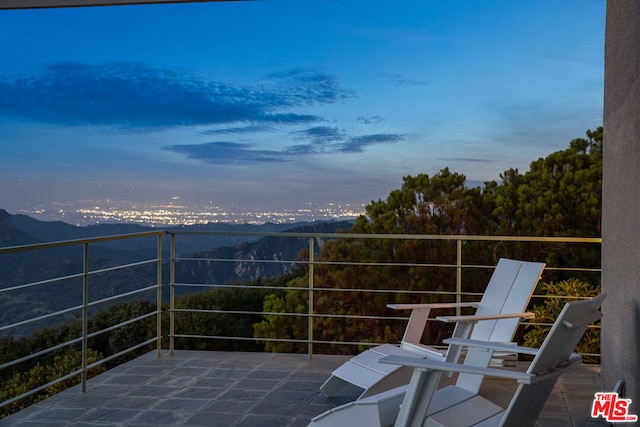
x=197 y=388
x=170 y=385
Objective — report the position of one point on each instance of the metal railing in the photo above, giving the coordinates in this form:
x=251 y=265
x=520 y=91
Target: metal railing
x=155 y=274
x=82 y=310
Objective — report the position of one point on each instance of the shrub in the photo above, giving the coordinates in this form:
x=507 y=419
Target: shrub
x=557 y=296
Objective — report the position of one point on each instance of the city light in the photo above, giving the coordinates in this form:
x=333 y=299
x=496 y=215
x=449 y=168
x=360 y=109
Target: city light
x=93 y=212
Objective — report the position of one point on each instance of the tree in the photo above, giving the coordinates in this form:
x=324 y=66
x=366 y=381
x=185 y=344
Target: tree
x=559 y=196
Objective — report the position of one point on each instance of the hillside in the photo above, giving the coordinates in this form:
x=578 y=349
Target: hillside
x=33 y=266
x=239 y=266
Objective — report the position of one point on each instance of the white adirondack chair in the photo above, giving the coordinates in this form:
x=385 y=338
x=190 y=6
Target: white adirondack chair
x=423 y=405
x=496 y=318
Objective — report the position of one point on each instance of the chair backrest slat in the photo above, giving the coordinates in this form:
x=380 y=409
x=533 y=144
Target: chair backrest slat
x=509 y=291
x=555 y=351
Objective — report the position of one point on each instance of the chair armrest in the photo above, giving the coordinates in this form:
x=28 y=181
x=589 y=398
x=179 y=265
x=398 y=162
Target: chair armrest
x=489 y=345
x=521 y=377
x=432 y=305
x=435 y=365
x=475 y=318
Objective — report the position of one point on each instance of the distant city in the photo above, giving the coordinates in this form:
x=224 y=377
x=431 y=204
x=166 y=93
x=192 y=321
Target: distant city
x=92 y=212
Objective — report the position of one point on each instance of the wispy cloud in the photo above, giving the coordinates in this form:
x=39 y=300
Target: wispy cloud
x=239 y=130
x=133 y=96
x=370 y=120
x=129 y=95
x=323 y=134
x=324 y=140
x=359 y=143
x=399 y=79
x=227 y=153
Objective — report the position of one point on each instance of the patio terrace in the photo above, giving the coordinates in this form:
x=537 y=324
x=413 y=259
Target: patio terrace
x=197 y=388
x=178 y=387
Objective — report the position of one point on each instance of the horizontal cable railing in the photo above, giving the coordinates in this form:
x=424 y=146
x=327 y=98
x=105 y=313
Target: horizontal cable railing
x=13 y=334
x=163 y=281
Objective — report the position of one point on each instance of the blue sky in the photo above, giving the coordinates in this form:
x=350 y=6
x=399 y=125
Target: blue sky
x=288 y=101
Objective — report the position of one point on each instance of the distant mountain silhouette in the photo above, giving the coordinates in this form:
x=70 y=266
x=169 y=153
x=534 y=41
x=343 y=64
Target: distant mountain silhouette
x=242 y=262
x=33 y=266
x=10 y=235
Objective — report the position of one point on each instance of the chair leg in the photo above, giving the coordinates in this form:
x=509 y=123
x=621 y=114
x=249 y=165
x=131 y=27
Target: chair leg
x=417 y=398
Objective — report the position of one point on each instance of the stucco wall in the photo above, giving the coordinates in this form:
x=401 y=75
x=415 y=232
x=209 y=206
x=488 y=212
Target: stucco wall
x=621 y=200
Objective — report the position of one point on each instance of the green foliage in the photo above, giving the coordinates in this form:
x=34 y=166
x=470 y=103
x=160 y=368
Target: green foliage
x=203 y=323
x=43 y=373
x=549 y=310
x=559 y=196
x=283 y=326
x=126 y=336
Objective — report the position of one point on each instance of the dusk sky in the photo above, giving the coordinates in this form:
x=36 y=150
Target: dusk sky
x=288 y=101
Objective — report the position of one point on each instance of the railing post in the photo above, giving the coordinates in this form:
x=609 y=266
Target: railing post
x=85 y=316
x=458 y=274
x=310 y=323
x=159 y=298
x=172 y=296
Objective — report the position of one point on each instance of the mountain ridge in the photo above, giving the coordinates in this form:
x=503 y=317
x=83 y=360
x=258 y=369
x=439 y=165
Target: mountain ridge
x=41 y=265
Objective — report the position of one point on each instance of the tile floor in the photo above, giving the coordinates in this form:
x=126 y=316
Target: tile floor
x=195 y=388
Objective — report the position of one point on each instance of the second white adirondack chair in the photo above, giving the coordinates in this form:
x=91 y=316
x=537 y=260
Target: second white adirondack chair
x=423 y=405
x=496 y=318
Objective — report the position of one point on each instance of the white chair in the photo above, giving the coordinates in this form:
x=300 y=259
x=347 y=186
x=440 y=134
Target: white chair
x=420 y=403
x=496 y=318
x=423 y=405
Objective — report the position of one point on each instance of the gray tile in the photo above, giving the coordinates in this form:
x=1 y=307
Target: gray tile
x=241 y=394
x=107 y=390
x=186 y=371
x=190 y=405
x=132 y=402
x=88 y=400
x=227 y=373
x=36 y=423
x=198 y=388
x=212 y=383
x=290 y=409
x=300 y=386
x=257 y=384
x=284 y=396
x=110 y=415
x=229 y=406
x=201 y=363
x=270 y=374
x=128 y=380
x=147 y=370
x=153 y=391
x=209 y=420
x=171 y=381
x=57 y=414
x=160 y=418
x=253 y=420
x=199 y=393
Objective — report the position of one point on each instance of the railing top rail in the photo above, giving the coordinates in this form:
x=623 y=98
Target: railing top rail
x=63 y=243
x=395 y=236
x=454 y=237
